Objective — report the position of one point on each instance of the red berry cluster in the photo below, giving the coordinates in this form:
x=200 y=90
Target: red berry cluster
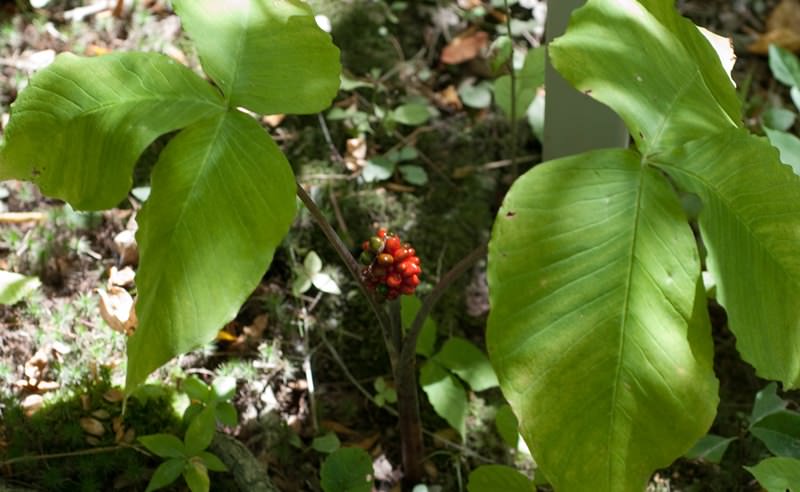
x=391 y=266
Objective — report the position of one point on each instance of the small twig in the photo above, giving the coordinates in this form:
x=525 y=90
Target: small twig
x=327 y=135
x=72 y=454
x=513 y=76
x=22 y=217
x=339 y=217
x=353 y=268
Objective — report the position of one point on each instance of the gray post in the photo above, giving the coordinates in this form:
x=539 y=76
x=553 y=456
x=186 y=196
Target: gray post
x=573 y=122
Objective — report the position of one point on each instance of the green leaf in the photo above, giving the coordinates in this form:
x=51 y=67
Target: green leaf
x=196 y=476
x=778 y=119
x=301 y=283
x=164 y=445
x=213 y=462
x=268 y=56
x=409 y=306
x=14 y=287
x=326 y=443
x=312 y=263
x=196 y=389
x=412 y=114
x=501 y=50
x=166 y=473
x=710 y=448
x=669 y=89
x=226 y=414
x=492 y=478
x=223 y=388
x=478 y=96
x=784 y=65
x=507 y=425
x=750 y=224
x=780 y=432
x=201 y=431
x=414 y=175
x=79 y=127
x=788 y=145
x=468 y=362
x=529 y=79
x=446 y=395
x=377 y=169
x=233 y=185
x=777 y=474
x=598 y=326
x=347 y=470
x=766 y=403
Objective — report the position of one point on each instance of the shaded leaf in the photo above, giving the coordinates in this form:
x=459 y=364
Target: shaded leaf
x=412 y=114
x=347 y=470
x=710 y=448
x=784 y=65
x=446 y=395
x=468 y=362
x=196 y=476
x=166 y=473
x=778 y=119
x=777 y=474
x=242 y=196
x=270 y=57
x=529 y=79
x=750 y=225
x=80 y=114
x=312 y=263
x=414 y=175
x=788 y=145
x=507 y=425
x=780 y=432
x=164 y=445
x=226 y=414
x=326 y=443
x=409 y=306
x=766 y=403
x=377 y=169
x=201 y=431
x=492 y=478
x=212 y=462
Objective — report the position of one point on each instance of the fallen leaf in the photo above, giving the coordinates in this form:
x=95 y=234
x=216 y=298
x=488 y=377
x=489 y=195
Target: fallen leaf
x=356 y=154
x=113 y=395
x=273 y=120
x=465 y=47
x=448 y=98
x=31 y=404
x=121 y=278
x=783 y=29
x=338 y=428
x=92 y=426
x=118 y=309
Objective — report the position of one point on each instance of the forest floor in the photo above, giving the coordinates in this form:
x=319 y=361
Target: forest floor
x=301 y=357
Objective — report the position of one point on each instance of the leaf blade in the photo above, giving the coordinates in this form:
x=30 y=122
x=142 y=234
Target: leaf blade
x=235 y=186
x=609 y=335
x=80 y=114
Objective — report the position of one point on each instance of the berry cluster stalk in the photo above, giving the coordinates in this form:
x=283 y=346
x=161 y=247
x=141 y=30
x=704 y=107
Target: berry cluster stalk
x=402 y=350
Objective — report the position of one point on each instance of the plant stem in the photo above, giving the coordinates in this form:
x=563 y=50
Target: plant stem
x=355 y=271
x=406 y=372
x=71 y=454
x=513 y=75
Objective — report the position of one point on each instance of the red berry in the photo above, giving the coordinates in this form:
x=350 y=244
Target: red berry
x=393 y=244
x=385 y=259
x=382 y=233
x=400 y=254
x=394 y=280
x=411 y=251
x=393 y=294
x=413 y=259
x=407 y=289
x=412 y=269
x=412 y=280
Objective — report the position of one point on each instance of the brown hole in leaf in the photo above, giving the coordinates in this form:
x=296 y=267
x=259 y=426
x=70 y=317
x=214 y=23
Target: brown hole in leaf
x=510 y=214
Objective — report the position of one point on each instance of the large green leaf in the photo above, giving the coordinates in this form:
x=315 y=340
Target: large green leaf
x=222 y=199
x=268 y=56
x=777 y=474
x=598 y=329
x=81 y=124
x=750 y=224
x=651 y=66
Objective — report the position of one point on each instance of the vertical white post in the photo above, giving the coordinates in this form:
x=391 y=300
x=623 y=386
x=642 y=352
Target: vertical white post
x=574 y=122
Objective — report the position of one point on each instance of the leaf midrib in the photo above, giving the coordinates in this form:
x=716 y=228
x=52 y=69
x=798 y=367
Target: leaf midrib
x=623 y=326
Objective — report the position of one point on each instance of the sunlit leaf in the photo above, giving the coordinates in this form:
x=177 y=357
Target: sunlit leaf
x=777 y=474
x=446 y=395
x=268 y=56
x=202 y=258
x=14 y=287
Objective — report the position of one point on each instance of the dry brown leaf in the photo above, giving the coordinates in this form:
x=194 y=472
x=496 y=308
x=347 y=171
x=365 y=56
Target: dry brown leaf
x=273 y=120
x=114 y=395
x=118 y=309
x=92 y=426
x=125 y=243
x=101 y=414
x=129 y=436
x=338 y=428
x=356 y=154
x=367 y=443
x=448 y=98
x=31 y=404
x=121 y=278
x=465 y=47
x=783 y=29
